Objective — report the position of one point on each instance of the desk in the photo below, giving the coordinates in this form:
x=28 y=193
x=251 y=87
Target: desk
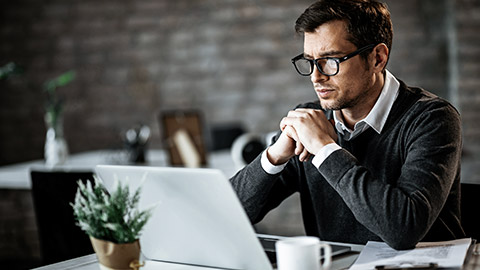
x=340 y=262
x=90 y=262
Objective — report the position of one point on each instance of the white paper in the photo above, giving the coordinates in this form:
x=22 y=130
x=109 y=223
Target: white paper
x=447 y=254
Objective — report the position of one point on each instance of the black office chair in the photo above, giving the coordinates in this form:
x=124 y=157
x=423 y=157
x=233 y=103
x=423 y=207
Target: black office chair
x=469 y=206
x=60 y=239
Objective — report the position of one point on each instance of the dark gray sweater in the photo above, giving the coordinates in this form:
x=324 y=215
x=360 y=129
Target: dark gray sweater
x=401 y=186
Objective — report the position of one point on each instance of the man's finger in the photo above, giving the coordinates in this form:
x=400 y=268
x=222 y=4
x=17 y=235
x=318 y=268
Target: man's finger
x=290 y=132
x=304 y=156
x=299 y=148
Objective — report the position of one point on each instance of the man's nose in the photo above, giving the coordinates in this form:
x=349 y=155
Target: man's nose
x=317 y=76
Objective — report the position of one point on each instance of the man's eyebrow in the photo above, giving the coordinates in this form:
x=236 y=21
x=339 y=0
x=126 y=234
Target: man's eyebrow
x=325 y=54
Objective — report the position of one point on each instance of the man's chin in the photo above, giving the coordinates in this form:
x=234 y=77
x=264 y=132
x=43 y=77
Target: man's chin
x=329 y=105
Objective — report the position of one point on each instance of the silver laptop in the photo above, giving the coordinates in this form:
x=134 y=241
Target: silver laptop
x=197 y=220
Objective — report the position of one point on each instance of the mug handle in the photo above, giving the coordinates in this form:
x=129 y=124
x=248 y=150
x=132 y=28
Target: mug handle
x=327 y=252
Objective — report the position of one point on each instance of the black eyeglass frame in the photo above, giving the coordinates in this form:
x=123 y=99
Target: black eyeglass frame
x=338 y=60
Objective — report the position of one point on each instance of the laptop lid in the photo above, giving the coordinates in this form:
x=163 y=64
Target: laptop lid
x=197 y=219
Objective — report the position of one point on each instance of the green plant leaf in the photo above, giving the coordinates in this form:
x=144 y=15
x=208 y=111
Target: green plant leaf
x=59 y=81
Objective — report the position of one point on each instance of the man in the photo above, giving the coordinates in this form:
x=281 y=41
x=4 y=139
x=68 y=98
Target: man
x=372 y=159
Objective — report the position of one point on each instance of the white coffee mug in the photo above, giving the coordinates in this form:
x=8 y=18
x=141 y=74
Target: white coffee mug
x=302 y=253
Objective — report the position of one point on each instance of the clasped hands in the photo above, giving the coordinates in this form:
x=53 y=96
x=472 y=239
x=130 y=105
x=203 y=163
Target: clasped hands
x=304 y=133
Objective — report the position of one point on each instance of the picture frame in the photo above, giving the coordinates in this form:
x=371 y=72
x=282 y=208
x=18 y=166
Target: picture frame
x=183 y=137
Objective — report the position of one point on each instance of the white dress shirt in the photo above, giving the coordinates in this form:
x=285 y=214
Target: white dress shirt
x=375 y=119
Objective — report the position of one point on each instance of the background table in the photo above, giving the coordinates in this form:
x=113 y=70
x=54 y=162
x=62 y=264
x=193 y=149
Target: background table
x=17 y=176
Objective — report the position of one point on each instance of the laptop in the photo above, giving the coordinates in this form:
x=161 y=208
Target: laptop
x=197 y=218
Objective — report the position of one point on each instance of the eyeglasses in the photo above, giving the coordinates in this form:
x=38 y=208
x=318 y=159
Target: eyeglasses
x=328 y=66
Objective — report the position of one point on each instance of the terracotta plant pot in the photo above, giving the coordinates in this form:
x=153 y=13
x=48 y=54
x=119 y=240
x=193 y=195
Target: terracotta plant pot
x=114 y=256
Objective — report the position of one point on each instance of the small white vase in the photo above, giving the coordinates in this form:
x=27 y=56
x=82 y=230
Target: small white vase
x=56 y=149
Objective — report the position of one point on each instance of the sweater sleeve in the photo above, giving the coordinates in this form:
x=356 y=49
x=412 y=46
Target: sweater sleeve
x=260 y=192
x=401 y=213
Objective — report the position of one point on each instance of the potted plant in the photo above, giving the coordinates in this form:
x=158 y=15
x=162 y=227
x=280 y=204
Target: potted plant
x=112 y=221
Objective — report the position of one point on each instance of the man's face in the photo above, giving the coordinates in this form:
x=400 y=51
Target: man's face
x=353 y=85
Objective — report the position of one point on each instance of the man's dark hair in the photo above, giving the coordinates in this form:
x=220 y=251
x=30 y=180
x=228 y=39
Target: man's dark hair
x=368 y=21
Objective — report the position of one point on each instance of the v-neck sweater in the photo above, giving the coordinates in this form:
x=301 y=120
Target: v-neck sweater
x=401 y=186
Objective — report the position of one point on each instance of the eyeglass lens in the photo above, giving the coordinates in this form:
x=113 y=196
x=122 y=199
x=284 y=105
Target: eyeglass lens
x=327 y=66
x=304 y=66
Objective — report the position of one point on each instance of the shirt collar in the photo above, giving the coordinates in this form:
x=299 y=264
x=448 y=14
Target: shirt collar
x=377 y=117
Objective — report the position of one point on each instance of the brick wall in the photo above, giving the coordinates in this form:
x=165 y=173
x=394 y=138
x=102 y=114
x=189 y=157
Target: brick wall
x=231 y=59
x=468 y=44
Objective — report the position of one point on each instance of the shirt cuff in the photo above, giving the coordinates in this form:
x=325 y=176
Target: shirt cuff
x=268 y=167
x=324 y=153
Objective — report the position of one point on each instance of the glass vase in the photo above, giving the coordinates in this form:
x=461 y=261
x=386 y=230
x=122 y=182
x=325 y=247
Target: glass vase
x=56 y=149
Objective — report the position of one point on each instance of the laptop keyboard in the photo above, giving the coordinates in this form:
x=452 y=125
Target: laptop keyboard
x=268 y=245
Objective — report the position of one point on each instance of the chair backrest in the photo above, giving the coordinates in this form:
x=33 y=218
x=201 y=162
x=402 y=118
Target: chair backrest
x=60 y=238
x=470 y=201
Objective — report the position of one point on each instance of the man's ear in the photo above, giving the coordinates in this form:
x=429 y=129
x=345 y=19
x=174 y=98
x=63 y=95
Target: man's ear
x=380 y=54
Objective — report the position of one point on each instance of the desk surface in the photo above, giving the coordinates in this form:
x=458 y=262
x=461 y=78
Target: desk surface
x=340 y=262
x=90 y=262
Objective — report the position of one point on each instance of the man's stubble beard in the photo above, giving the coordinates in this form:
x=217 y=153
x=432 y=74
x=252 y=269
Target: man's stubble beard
x=343 y=102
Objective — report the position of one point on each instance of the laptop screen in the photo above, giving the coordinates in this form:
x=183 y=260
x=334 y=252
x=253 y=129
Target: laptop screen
x=197 y=218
